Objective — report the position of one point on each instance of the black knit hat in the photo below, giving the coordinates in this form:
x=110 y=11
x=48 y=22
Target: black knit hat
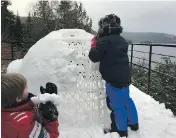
x=110 y=24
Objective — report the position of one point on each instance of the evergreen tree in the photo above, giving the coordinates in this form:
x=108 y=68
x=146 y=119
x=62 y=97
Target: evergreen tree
x=166 y=76
x=63 y=15
x=72 y=15
x=28 y=28
x=54 y=15
x=163 y=81
x=18 y=31
x=43 y=11
x=7 y=21
x=139 y=77
x=89 y=26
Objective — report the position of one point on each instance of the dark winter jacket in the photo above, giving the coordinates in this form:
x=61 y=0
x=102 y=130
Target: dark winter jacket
x=111 y=51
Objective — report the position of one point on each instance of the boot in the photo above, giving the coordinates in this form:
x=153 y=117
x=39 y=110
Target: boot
x=134 y=127
x=123 y=134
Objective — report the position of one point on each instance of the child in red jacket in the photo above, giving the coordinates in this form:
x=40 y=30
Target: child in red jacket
x=20 y=117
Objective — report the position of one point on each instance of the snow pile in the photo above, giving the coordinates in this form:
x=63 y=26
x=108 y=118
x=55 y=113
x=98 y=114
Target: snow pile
x=14 y=66
x=62 y=58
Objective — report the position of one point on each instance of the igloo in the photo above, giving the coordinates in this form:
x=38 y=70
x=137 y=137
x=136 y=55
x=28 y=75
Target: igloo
x=62 y=58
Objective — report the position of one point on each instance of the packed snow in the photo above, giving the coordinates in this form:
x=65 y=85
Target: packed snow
x=62 y=58
x=155 y=121
x=43 y=98
x=14 y=66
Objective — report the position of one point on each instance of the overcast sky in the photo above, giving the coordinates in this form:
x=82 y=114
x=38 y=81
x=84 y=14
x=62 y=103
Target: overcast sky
x=136 y=16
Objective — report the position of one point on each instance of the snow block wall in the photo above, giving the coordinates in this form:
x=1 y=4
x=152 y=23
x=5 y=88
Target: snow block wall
x=62 y=58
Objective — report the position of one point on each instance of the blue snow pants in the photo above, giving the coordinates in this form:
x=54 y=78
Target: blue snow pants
x=123 y=109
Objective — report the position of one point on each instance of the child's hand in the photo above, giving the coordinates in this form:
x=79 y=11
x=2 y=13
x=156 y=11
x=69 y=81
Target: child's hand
x=50 y=88
x=49 y=111
x=93 y=42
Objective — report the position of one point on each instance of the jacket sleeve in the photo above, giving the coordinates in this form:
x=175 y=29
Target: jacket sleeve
x=94 y=42
x=52 y=128
x=97 y=53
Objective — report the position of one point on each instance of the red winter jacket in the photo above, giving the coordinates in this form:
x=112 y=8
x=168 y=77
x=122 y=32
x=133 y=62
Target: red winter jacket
x=23 y=122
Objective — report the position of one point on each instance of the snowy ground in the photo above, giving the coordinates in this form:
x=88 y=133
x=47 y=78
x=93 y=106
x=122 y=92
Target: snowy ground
x=62 y=58
x=155 y=121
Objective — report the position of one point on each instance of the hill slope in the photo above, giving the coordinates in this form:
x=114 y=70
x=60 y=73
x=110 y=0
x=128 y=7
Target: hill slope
x=137 y=37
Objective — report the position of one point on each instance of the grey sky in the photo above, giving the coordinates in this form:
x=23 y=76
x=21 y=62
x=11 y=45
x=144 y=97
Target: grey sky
x=136 y=16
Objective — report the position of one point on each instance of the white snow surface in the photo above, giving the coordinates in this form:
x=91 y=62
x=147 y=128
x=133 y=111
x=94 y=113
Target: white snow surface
x=43 y=98
x=62 y=58
x=14 y=66
x=155 y=121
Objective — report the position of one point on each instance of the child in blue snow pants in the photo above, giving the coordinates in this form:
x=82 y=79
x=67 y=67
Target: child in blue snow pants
x=123 y=109
x=110 y=49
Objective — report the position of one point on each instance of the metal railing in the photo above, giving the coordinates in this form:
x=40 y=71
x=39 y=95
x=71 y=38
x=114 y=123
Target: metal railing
x=152 y=72
x=14 y=49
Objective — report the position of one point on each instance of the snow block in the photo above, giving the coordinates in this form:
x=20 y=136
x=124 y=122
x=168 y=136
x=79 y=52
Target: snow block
x=62 y=58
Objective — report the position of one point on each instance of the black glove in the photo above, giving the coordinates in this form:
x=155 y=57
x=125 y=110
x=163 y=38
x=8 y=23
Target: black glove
x=49 y=111
x=50 y=88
